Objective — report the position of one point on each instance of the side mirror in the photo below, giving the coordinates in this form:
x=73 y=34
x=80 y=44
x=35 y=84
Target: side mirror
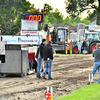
x=45 y=27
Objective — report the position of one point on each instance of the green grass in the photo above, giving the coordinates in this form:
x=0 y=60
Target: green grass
x=84 y=93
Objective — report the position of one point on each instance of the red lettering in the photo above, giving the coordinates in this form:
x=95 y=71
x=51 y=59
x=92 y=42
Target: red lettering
x=39 y=17
x=35 y=17
x=31 y=17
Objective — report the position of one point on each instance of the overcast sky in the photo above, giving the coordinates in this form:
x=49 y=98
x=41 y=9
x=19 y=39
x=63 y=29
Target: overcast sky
x=59 y=4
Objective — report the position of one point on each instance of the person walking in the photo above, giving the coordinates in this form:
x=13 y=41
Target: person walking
x=39 y=56
x=96 y=66
x=48 y=57
x=79 y=46
x=85 y=46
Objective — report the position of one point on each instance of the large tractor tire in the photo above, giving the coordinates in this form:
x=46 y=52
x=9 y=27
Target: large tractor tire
x=75 y=50
x=93 y=47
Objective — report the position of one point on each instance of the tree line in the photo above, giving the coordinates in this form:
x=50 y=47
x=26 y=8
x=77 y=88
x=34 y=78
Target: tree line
x=11 y=15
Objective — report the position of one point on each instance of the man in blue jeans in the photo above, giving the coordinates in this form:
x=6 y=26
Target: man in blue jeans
x=96 y=55
x=39 y=56
x=85 y=46
x=48 y=57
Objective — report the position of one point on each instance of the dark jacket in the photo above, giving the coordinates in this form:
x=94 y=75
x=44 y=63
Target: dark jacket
x=40 y=49
x=96 y=55
x=84 y=44
x=48 y=52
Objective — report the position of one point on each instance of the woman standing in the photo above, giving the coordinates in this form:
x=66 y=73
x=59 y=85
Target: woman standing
x=96 y=66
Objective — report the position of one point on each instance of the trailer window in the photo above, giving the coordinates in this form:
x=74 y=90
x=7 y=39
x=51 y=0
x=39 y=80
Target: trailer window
x=86 y=27
x=92 y=37
x=29 y=25
x=61 y=35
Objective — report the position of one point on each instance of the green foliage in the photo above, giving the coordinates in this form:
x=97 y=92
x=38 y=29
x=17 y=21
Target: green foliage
x=92 y=16
x=53 y=17
x=76 y=7
x=10 y=19
x=86 y=21
x=47 y=8
x=84 y=93
x=26 y=5
x=11 y=10
x=75 y=20
x=8 y=11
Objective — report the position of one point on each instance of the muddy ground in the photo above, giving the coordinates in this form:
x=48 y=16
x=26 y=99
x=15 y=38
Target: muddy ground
x=70 y=72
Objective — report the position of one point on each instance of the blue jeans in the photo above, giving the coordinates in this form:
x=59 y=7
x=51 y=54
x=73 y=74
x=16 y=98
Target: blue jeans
x=48 y=64
x=39 y=62
x=79 y=48
x=79 y=51
x=95 y=68
x=84 y=49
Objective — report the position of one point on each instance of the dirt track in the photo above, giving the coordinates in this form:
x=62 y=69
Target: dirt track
x=70 y=72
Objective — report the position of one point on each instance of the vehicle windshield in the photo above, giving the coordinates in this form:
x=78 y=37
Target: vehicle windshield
x=30 y=25
x=92 y=37
x=61 y=35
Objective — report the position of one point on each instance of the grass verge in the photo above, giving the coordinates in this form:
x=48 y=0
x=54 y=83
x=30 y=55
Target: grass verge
x=84 y=93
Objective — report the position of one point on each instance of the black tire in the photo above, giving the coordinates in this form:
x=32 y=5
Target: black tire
x=92 y=47
x=75 y=50
x=3 y=75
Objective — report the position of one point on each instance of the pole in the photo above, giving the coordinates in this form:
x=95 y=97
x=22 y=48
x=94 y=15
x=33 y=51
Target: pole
x=90 y=81
x=89 y=77
x=51 y=92
x=92 y=77
x=47 y=89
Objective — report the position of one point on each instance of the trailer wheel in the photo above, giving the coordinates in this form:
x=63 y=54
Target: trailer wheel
x=75 y=50
x=93 y=47
x=3 y=75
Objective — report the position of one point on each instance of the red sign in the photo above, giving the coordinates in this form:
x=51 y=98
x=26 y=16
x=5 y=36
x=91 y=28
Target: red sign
x=34 y=17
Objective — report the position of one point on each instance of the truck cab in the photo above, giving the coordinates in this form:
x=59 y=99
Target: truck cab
x=60 y=39
x=62 y=35
x=93 y=38
x=92 y=33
